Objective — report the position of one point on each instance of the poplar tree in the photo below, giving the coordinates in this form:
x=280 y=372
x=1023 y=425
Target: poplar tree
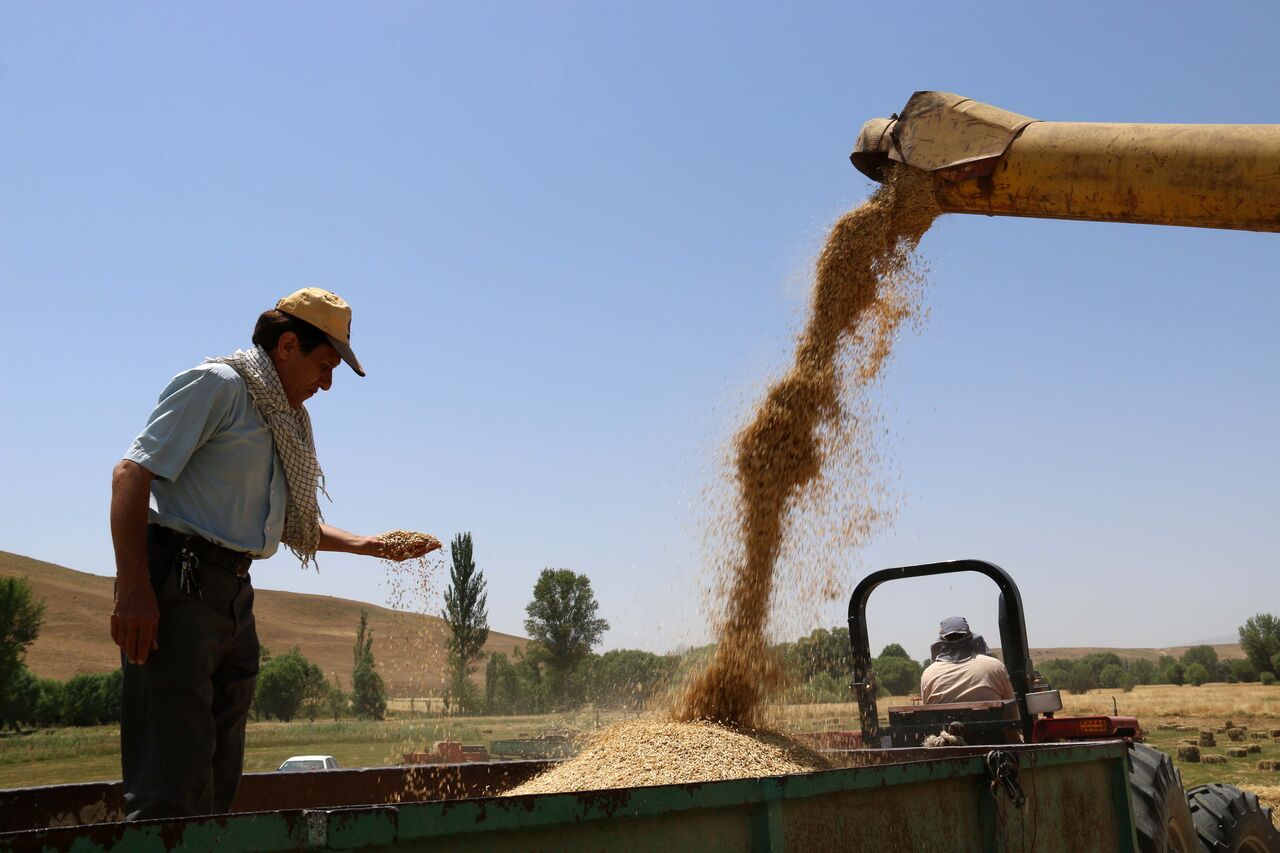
x=468 y=620
x=368 y=692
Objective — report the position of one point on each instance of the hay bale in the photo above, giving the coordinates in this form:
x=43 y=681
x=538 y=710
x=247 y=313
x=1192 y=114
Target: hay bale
x=1186 y=728
x=1189 y=753
x=1253 y=747
x=1275 y=732
x=1166 y=727
x=1206 y=739
x=1237 y=752
x=1188 y=741
x=1213 y=758
x=1257 y=735
x=1228 y=725
x=1236 y=734
x=1268 y=764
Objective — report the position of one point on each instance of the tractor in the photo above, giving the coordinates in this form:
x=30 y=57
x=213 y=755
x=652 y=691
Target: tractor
x=1207 y=817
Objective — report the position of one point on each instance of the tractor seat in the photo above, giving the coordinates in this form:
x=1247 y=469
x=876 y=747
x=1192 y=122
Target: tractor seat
x=995 y=721
x=1004 y=709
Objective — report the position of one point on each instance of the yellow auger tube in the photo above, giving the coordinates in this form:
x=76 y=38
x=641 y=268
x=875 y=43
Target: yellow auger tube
x=988 y=160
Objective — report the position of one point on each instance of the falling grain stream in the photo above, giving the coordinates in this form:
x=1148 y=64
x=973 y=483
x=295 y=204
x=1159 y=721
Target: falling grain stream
x=806 y=419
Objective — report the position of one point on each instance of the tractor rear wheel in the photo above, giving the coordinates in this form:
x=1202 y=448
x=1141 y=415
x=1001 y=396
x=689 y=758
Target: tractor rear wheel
x=1230 y=820
x=1160 y=808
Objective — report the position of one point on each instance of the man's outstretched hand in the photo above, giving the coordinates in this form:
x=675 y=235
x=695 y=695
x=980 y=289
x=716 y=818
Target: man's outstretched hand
x=400 y=545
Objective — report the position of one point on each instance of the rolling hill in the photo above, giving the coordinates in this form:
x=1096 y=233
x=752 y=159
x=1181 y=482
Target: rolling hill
x=408 y=647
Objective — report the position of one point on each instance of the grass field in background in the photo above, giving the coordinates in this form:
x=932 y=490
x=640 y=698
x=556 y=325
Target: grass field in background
x=54 y=756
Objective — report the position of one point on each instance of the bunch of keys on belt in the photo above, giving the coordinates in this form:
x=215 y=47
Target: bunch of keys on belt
x=187 y=579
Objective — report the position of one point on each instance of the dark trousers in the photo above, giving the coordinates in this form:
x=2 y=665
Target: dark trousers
x=183 y=712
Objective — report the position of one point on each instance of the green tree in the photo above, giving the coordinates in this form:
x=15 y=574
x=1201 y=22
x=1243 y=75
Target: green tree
x=1112 y=676
x=110 y=691
x=1172 y=673
x=563 y=624
x=90 y=699
x=1206 y=656
x=1098 y=661
x=49 y=703
x=894 y=650
x=517 y=686
x=1260 y=639
x=336 y=701
x=288 y=684
x=368 y=691
x=1225 y=672
x=20 y=619
x=500 y=686
x=629 y=678
x=468 y=621
x=898 y=675
x=1245 y=670
x=18 y=703
x=1143 y=671
x=822 y=688
x=1197 y=674
x=1275 y=663
x=1080 y=678
x=822 y=651
x=1056 y=671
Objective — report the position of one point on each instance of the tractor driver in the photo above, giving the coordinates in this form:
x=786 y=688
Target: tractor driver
x=962 y=669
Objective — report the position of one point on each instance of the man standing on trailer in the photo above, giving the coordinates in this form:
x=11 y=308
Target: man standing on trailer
x=223 y=472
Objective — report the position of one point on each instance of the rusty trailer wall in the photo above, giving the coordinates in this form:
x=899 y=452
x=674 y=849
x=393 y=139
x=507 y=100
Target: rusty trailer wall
x=1047 y=798
x=101 y=802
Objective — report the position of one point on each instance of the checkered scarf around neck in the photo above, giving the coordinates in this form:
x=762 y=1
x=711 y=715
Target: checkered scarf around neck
x=291 y=429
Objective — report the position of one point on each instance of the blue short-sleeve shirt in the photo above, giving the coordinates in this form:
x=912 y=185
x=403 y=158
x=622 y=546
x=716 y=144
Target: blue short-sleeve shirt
x=217 y=475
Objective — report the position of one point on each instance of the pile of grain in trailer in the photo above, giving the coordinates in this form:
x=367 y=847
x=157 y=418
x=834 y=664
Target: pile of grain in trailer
x=662 y=752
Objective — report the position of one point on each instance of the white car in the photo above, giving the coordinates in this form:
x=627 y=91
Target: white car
x=300 y=763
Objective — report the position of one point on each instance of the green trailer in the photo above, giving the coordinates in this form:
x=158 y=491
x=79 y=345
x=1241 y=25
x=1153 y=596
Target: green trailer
x=1068 y=797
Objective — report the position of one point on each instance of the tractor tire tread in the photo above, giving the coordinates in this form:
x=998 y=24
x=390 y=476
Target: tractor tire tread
x=1160 y=809
x=1230 y=820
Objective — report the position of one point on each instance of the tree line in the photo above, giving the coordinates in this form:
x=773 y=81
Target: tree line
x=1260 y=640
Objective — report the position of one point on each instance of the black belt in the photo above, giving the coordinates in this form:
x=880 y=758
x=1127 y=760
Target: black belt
x=236 y=562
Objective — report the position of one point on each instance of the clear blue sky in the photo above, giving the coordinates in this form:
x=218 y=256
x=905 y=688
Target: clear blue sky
x=576 y=238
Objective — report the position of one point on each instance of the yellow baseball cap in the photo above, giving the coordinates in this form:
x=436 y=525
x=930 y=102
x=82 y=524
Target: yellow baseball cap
x=329 y=313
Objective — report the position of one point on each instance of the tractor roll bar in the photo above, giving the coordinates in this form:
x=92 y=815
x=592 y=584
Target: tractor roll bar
x=1013 y=636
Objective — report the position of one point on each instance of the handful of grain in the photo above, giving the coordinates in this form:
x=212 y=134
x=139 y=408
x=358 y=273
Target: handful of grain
x=403 y=544
x=656 y=752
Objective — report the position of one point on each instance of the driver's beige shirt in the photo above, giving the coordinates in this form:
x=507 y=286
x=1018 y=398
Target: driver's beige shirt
x=981 y=678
